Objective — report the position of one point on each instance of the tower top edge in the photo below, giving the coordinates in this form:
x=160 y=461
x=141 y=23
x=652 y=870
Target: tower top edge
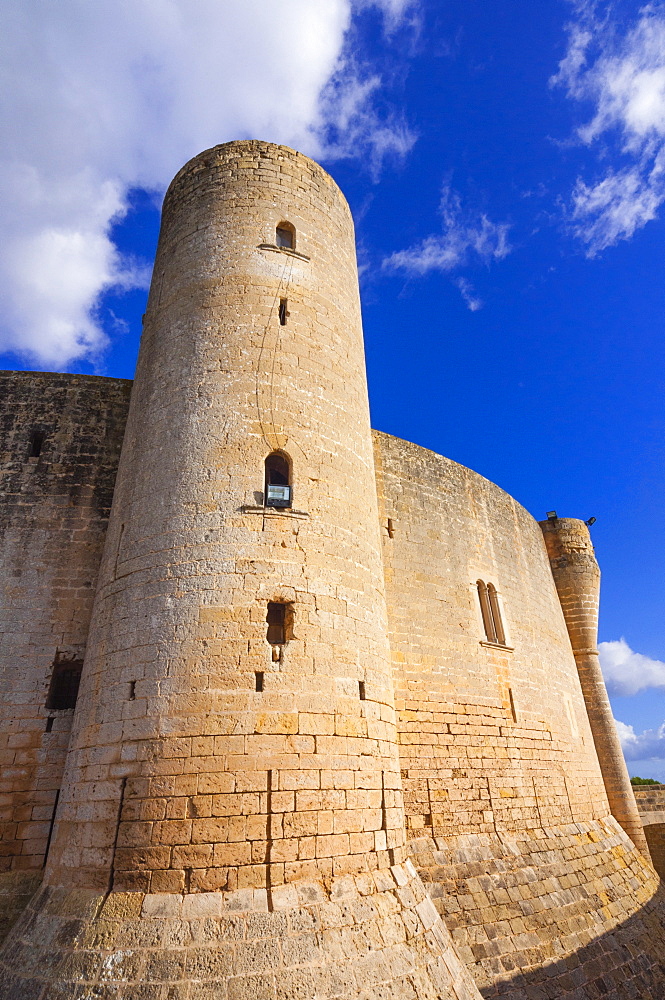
x=565 y=523
x=257 y=149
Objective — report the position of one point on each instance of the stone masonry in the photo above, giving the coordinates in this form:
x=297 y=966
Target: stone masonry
x=651 y=805
x=338 y=748
x=53 y=518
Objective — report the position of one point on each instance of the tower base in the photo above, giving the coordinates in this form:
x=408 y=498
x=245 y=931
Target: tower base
x=16 y=889
x=375 y=936
x=564 y=911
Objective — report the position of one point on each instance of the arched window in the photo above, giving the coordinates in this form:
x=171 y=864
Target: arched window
x=491 y=613
x=285 y=236
x=277 y=480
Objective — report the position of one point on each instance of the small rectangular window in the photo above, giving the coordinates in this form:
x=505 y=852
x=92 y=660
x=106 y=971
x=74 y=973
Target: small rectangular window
x=361 y=690
x=284 y=237
x=283 y=303
x=259 y=680
x=36 y=444
x=64 y=686
x=276 y=619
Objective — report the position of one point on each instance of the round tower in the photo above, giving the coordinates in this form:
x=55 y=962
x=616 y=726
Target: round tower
x=577 y=579
x=234 y=747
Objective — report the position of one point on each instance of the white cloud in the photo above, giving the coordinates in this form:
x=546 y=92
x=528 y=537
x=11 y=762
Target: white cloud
x=97 y=98
x=627 y=672
x=393 y=10
x=464 y=239
x=622 y=74
x=648 y=745
x=466 y=291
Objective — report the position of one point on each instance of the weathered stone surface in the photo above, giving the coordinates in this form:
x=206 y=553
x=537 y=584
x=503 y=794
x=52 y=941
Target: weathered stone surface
x=54 y=509
x=651 y=805
x=244 y=951
x=236 y=814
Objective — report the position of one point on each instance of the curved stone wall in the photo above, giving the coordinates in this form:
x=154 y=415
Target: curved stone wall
x=493 y=736
x=506 y=806
x=54 y=510
x=207 y=759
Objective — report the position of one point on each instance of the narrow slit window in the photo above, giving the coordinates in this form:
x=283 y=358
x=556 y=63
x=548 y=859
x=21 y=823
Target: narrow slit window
x=277 y=480
x=64 y=687
x=285 y=236
x=276 y=619
x=283 y=311
x=258 y=680
x=36 y=444
x=512 y=704
x=361 y=690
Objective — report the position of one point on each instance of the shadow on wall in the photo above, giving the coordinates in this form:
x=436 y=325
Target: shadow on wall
x=627 y=963
x=655 y=834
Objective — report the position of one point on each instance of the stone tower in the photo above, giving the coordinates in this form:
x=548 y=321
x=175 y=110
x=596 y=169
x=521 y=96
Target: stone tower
x=231 y=821
x=577 y=579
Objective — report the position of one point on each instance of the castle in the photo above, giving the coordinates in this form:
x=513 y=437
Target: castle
x=293 y=710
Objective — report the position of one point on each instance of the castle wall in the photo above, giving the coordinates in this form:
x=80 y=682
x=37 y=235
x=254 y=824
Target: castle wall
x=650 y=801
x=492 y=736
x=506 y=807
x=54 y=511
x=240 y=814
x=211 y=769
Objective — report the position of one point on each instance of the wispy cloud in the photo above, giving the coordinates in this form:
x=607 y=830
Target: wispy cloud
x=647 y=745
x=99 y=98
x=468 y=294
x=351 y=124
x=394 y=11
x=627 y=672
x=464 y=239
x=622 y=75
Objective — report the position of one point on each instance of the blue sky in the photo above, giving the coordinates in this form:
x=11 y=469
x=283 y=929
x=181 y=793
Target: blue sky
x=505 y=164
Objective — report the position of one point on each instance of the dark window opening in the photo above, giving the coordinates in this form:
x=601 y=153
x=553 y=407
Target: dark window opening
x=277 y=480
x=283 y=311
x=361 y=690
x=132 y=690
x=36 y=443
x=49 y=724
x=64 y=687
x=491 y=612
x=285 y=236
x=279 y=619
x=259 y=680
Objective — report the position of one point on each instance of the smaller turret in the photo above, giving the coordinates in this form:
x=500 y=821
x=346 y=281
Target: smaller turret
x=577 y=578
